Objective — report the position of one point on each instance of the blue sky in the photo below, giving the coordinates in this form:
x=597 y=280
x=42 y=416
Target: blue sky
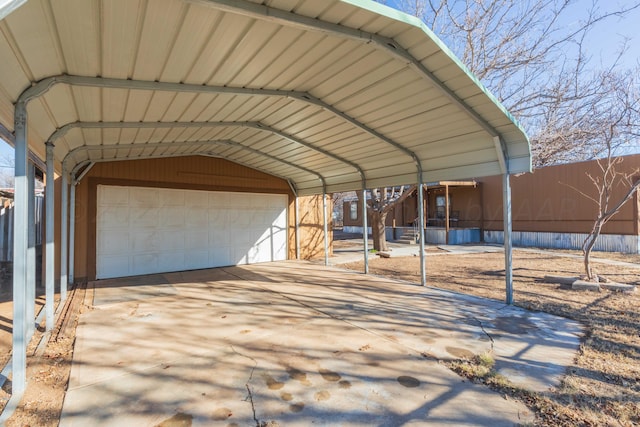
x=603 y=44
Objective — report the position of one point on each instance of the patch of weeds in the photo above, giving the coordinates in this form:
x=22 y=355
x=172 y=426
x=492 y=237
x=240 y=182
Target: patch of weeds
x=481 y=370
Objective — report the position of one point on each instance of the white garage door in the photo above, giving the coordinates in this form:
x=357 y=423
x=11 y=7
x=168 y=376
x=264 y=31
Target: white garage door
x=154 y=230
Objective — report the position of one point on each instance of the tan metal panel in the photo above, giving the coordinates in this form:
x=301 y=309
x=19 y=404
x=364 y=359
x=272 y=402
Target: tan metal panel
x=36 y=39
x=13 y=75
x=122 y=23
x=162 y=21
x=78 y=26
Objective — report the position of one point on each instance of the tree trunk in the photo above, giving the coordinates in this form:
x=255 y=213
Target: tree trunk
x=588 y=245
x=378 y=220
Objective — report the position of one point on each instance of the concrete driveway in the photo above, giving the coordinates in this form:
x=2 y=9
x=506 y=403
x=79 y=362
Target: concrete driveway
x=296 y=344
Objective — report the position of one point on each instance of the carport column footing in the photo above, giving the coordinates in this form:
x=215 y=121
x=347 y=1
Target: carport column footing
x=423 y=268
x=50 y=248
x=64 y=221
x=365 y=231
x=31 y=251
x=20 y=242
x=72 y=228
x=508 y=247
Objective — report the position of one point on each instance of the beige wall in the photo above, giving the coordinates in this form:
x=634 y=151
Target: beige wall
x=194 y=173
x=550 y=200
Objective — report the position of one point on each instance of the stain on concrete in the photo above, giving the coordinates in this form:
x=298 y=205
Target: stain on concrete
x=322 y=395
x=233 y=425
x=365 y=347
x=298 y=375
x=328 y=375
x=462 y=353
x=514 y=324
x=245 y=331
x=221 y=414
x=272 y=383
x=345 y=384
x=373 y=364
x=178 y=420
x=287 y=397
x=296 y=407
x=409 y=382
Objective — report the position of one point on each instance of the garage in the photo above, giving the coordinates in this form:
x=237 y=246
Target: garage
x=144 y=230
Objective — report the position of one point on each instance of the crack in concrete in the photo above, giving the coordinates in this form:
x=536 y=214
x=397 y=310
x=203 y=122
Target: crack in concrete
x=485 y=331
x=249 y=397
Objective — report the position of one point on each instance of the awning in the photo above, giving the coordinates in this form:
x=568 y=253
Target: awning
x=330 y=95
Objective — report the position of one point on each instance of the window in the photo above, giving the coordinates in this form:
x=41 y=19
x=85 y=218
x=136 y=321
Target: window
x=441 y=206
x=353 y=211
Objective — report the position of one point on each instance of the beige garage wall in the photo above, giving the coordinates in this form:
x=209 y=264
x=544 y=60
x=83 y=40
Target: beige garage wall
x=193 y=173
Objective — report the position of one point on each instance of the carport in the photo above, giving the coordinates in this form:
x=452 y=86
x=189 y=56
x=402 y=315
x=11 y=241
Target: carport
x=326 y=95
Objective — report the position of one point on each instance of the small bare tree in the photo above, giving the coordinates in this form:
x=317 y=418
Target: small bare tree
x=380 y=203
x=615 y=123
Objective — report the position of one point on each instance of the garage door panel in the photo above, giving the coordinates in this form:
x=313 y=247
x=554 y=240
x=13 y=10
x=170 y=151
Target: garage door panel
x=171 y=261
x=196 y=199
x=197 y=216
x=171 y=216
x=114 y=216
x=144 y=197
x=144 y=264
x=152 y=230
x=143 y=217
x=114 y=196
x=196 y=259
x=196 y=239
x=113 y=242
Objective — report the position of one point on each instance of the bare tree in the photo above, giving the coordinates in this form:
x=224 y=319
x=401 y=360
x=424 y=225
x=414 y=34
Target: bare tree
x=380 y=203
x=531 y=60
x=615 y=123
x=338 y=200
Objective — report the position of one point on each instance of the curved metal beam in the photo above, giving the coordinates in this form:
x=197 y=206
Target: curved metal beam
x=59 y=133
x=189 y=144
x=44 y=85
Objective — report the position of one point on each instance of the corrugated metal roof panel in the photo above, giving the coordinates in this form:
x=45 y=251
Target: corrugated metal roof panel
x=357 y=86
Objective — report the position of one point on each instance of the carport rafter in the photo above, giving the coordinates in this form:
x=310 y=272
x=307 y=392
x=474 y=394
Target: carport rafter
x=62 y=131
x=44 y=85
x=183 y=144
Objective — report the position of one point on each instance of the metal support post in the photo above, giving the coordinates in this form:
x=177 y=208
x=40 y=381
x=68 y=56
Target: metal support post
x=365 y=231
x=20 y=241
x=325 y=228
x=31 y=251
x=423 y=268
x=50 y=248
x=72 y=228
x=508 y=246
x=297 y=213
x=64 y=246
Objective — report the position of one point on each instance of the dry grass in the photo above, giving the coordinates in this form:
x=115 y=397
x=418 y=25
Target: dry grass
x=602 y=387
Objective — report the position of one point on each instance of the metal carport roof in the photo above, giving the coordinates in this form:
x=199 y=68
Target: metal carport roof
x=331 y=95
x=348 y=92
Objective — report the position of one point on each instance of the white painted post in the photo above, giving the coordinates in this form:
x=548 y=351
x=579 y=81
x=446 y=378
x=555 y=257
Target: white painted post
x=72 y=229
x=365 y=232
x=49 y=242
x=325 y=228
x=64 y=246
x=31 y=252
x=297 y=228
x=20 y=242
x=508 y=246
x=423 y=267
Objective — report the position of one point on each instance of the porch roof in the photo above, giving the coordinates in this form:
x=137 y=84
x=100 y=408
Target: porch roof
x=330 y=95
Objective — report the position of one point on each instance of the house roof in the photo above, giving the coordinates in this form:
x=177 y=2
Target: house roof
x=330 y=95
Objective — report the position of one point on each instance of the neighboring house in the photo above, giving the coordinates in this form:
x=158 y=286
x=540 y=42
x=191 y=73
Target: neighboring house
x=548 y=210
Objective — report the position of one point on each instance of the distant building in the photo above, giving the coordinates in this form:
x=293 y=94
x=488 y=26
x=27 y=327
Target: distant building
x=548 y=208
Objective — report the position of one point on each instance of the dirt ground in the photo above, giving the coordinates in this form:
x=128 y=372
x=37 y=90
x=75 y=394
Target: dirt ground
x=602 y=388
